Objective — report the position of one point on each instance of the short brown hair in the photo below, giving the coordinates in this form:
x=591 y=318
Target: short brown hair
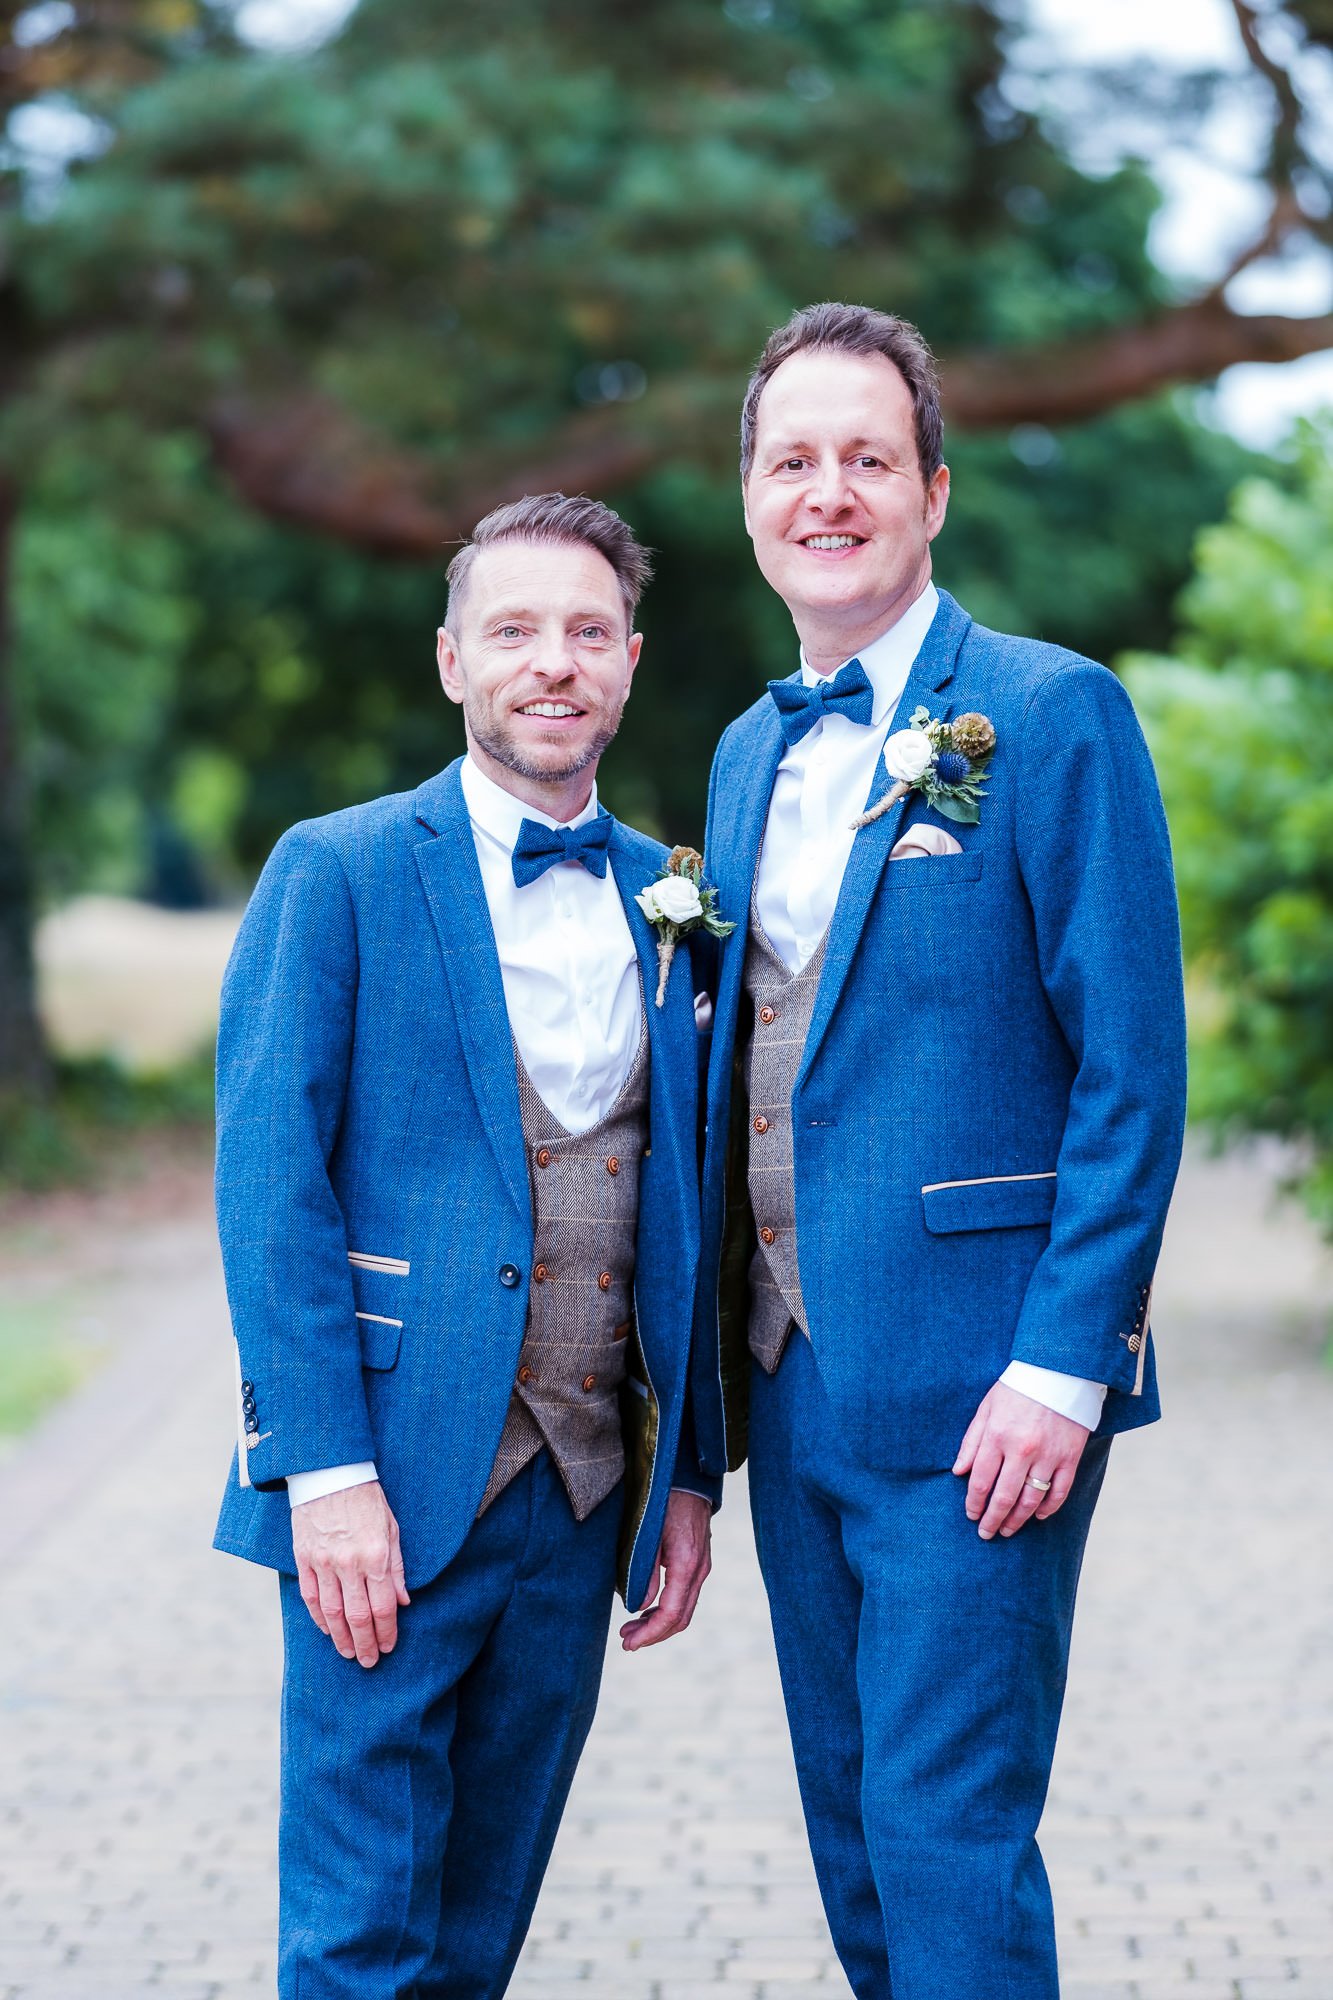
x=554 y=517
x=839 y=329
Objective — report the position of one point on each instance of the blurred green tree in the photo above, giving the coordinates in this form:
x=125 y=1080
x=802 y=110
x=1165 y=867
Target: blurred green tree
x=445 y=259
x=1241 y=723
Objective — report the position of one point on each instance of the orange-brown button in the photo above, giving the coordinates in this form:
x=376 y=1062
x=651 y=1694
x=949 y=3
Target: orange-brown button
x=540 y=1273
x=621 y=1332
x=589 y=1382
x=761 y=1124
x=767 y=1014
x=613 y=1165
x=604 y=1281
x=767 y=1236
x=543 y=1156
x=525 y=1374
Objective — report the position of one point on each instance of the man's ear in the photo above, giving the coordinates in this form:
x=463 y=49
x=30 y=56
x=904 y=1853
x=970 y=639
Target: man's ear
x=451 y=672
x=937 y=502
x=632 y=652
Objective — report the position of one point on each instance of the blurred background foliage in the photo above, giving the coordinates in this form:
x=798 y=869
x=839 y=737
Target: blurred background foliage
x=276 y=328
x=1241 y=722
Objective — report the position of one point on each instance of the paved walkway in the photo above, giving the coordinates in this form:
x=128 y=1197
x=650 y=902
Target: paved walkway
x=1190 y=1830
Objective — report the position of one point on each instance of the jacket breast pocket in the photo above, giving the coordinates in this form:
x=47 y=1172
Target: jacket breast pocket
x=933 y=872
x=380 y=1339
x=997 y=1201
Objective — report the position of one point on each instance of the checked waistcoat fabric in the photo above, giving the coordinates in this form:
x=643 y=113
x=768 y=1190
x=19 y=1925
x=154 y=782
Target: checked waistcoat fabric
x=784 y=1002
x=585 y=1212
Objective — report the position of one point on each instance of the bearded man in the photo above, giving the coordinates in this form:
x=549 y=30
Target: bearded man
x=458 y=1202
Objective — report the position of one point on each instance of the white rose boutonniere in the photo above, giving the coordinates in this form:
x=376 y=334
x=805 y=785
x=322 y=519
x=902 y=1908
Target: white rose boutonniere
x=945 y=761
x=678 y=902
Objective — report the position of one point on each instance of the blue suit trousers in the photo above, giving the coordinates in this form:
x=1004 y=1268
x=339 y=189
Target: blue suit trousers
x=923 y=1671
x=421 y=1798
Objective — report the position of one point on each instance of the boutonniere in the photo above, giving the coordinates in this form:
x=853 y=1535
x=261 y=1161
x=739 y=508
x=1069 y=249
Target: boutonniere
x=677 y=903
x=944 y=761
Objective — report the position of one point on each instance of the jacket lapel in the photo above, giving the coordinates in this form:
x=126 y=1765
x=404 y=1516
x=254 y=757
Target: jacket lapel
x=671 y=1029
x=733 y=856
x=447 y=861
x=932 y=670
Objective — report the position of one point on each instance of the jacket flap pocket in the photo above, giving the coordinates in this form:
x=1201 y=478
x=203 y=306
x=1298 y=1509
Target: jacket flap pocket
x=1006 y=1201
x=934 y=871
x=379 y=1339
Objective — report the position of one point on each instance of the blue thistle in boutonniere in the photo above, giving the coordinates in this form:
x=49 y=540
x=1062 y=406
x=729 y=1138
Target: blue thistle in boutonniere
x=679 y=902
x=945 y=761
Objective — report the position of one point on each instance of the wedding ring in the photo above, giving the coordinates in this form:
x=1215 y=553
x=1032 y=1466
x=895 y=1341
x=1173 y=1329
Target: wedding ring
x=1042 y=1485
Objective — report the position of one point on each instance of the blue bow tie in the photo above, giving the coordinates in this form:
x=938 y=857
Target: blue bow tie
x=540 y=847
x=847 y=693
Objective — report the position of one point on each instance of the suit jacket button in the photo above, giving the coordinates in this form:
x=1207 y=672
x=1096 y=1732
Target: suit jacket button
x=249 y=1406
x=525 y=1374
x=247 y=1388
x=543 y=1156
x=761 y=1124
x=589 y=1382
x=252 y=1423
x=767 y=1236
x=540 y=1274
x=1135 y=1342
x=604 y=1281
x=767 y=1015
x=509 y=1275
x=613 y=1165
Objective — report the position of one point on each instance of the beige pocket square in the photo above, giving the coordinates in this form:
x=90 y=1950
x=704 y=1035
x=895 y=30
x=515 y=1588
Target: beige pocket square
x=922 y=840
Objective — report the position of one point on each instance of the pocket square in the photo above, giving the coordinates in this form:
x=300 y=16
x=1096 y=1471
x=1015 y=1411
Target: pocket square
x=923 y=840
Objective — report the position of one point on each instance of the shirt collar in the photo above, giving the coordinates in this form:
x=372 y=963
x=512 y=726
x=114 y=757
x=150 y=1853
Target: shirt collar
x=889 y=659
x=498 y=813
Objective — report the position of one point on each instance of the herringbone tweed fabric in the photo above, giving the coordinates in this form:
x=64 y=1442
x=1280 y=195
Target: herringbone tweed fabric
x=783 y=1004
x=585 y=1212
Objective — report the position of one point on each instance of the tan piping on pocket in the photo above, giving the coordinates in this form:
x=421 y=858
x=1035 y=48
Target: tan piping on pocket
x=380 y=1319
x=988 y=1180
x=396 y=1266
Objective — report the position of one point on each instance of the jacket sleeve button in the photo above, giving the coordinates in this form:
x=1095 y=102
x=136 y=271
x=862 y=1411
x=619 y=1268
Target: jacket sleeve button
x=247 y=1388
x=509 y=1275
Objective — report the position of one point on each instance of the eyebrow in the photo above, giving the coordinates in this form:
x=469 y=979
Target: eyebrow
x=514 y=612
x=880 y=445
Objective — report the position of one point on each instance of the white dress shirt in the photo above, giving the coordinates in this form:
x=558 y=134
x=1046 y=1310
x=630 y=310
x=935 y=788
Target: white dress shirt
x=821 y=785
x=571 y=987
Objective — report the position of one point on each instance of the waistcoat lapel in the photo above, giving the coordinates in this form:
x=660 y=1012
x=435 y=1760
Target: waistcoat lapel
x=451 y=878
x=932 y=670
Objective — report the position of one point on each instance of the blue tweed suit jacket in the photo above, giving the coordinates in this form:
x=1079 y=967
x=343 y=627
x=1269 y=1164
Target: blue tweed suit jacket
x=988 y=1116
x=373 y=1198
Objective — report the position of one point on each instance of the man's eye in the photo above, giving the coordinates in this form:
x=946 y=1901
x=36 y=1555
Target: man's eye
x=511 y=632
x=593 y=632
x=792 y=464
x=867 y=460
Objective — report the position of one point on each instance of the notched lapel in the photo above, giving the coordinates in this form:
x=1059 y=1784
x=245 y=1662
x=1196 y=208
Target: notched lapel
x=734 y=856
x=933 y=669
x=452 y=881
x=671 y=1029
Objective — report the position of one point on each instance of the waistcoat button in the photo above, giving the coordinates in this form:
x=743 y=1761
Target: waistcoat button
x=543 y=1156
x=540 y=1274
x=604 y=1281
x=509 y=1275
x=767 y=1236
x=589 y=1382
x=613 y=1165
x=525 y=1374
x=761 y=1124
x=767 y=1014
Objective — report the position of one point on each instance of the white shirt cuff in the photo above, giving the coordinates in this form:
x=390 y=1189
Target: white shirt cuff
x=303 y=1486
x=1068 y=1395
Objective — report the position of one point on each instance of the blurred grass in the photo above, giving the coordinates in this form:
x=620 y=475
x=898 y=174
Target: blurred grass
x=48 y=1346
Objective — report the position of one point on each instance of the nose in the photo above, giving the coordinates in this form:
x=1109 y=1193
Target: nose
x=553 y=660
x=830 y=490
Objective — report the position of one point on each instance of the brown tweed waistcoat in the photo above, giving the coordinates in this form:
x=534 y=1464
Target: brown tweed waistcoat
x=585 y=1212
x=784 y=1002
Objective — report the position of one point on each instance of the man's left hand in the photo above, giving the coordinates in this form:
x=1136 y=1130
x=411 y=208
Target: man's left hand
x=1011 y=1441
x=683 y=1555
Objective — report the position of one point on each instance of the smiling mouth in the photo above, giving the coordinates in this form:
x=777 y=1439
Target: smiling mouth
x=551 y=711
x=832 y=543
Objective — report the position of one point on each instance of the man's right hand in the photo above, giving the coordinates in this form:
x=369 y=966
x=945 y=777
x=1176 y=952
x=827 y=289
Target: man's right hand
x=351 y=1569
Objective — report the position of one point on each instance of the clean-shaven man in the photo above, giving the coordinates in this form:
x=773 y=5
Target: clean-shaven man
x=458 y=1202
x=950 y=1059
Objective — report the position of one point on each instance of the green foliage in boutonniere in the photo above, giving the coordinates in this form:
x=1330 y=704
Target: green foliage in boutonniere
x=945 y=761
x=677 y=903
